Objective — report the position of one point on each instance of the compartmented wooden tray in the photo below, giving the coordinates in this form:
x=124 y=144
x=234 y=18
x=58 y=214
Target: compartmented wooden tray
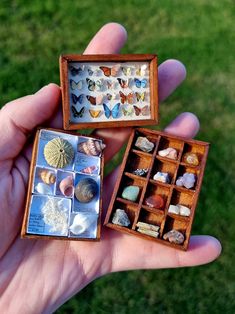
x=109 y=90
x=65 y=187
x=153 y=205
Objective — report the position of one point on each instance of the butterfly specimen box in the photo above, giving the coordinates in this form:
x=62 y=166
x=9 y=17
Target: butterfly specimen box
x=157 y=190
x=109 y=90
x=64 y=192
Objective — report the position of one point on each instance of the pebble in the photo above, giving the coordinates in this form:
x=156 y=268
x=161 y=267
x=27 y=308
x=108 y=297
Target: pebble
x=179 y=210
x=191 y=159
x=174 y=236
x=169 y=153
x=144 y=225
x=140 y=172
x=120 y=218
x=144 y=144
x=162 y=177
x=131 y=193
x=155 y=201
x=187 y=180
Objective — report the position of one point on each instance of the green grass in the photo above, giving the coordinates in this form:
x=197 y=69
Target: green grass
x=199 y=33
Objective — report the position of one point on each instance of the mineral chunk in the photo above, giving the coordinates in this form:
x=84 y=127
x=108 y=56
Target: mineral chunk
x=144 y=144
x=162 y=177
x=148 y=232
x=179 y=210
x=120 y=218
x=174 y=236
x=191 y=159
x=169 y=152
x=174 y=209
x=131 y=193
x=140 y=172
x=155 y=201
x=144 y=225
x=187 y=180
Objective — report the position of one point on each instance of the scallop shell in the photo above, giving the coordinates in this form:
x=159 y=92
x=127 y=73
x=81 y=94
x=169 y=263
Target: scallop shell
x=43 y=188
x=86 y=190
x=82 y=222
x=47 y=177
x=58 y=153
x=91 y=147
x=66 y=186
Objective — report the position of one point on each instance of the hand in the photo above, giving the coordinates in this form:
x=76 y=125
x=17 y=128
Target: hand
x=39 y=275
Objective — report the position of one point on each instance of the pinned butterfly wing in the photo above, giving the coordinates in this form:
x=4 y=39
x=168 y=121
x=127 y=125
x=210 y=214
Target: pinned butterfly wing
x=128 y=111
x=123 y=83
x=76 y=85
x=91 y=99
x=107 y=111
x=137 y=110
x=90 y=84
x=114 y=112
x=76 y=98
x=126 y=71
x=144 y=111
x=140 y=83
x=90 y=72
x=99 y=99
x=99 y=84
x=112 y=71
x=141 y=71
x=94 y=113
x=76 y=71
x=110 y=84
x=127 y=98
x=140 y=96
x=78 y=114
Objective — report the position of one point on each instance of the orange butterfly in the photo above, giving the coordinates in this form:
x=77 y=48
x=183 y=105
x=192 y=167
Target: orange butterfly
x=94 y=113
x=144 y=111
x=123 y=83
x=127 y=98
x=95 y=100
x=113 y=71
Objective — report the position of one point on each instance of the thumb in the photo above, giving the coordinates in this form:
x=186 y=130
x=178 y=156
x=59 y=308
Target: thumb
x=19 y=117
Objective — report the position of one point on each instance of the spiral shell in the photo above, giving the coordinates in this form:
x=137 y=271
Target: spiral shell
x=66 y=186
x=58 y=153
x=82 y=222
x=47 y=177
x=91 y=147
x=86 y=190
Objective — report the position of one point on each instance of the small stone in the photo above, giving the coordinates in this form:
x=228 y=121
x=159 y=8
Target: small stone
x=131 y=193
x=120 y=218
x=155 y=201
x=174 y=209
x=162 y=177
x=144 y=225
x=184 y=210
x=191 y=159
x=140 y=172
x=187 y=180
x=144 y=144
x=174 y=236
x=169 y=153
x=148 y=232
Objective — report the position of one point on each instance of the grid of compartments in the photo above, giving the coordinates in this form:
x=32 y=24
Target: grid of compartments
x=64 y=194
x=164 y=203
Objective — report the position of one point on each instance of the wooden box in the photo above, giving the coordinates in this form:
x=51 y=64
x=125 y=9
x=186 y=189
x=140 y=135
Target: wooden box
x=158 y=218
x=100 y=91
x=65 y=187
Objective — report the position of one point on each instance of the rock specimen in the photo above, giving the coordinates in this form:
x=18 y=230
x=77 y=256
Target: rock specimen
x=155 y=201
x=82 y=222
x=47 y=176
x=148 y=229
x=169 y=152
x=162 y=177
x=144 y=144
x=86 y=190
x=131 y=193
x=174 y=209
x=179 y=210
x=191 y=159
x=187 y=180
x=140 y=172
x=91 y=147
x=120 y=218
x=174 y=236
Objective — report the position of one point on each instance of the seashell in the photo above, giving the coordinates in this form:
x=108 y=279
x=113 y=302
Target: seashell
x=169 y=152
x=58 y=153
x=174 y=236
x=66 y=186
x=82 y=222
x=89 y=170
x=47 y=177
x=86 y=190
x=91 y=147
x=120 y=218
x=144 y=144
x=43 y=188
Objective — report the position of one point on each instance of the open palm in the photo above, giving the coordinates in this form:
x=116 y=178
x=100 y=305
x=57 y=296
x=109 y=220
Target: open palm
x=37 y=275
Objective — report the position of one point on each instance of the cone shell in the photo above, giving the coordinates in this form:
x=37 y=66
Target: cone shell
x=91 y=147
x=86 y=190
x=47 y=177
x=66 y=186
x=58 y=153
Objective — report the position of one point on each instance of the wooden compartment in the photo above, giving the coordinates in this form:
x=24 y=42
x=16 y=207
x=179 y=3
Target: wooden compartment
x=109 y=90
x=197 y=149
x=130 y=209
x=172 y=194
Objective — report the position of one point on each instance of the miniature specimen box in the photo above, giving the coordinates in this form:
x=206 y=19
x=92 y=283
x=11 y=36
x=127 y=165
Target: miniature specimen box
x=100 y=91
x=158 y=187
x=64 y=193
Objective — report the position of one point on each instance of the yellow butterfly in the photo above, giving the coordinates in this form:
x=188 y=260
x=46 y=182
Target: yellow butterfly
x=128 y=111
x=95 y=113
x=141 y=70
x=76 y=85
x=140 y=96
x=126 y=70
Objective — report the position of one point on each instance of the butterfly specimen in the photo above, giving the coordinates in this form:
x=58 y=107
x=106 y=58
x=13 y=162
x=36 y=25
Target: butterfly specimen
x=126 y=70
x=140 y=96
x=141 y=70
x=140 y=83
x=78 y=114
x=127 y=98
x=113 y=71
x=94 y=85
x=95 y=100
x=111 y=97
x=94 y=113
x=76 y=98
x=123 y=83
x=110 y=84
x=76 y=85
x=90 y=72
x=144 y=111
x=76 y=71
x=128 y=111
x=111 y=112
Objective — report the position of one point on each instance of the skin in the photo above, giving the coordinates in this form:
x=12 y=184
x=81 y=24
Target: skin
x=39 y=275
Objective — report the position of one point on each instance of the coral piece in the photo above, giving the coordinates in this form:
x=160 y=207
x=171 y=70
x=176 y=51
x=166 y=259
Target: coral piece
x=144 y=144
x=86 y=190
x=82 y=222
x=191 y=159
x=89 y=170
x=131 y=193
x=120 y=218
x=66 y=186
x=174 y=236
x=155 y=201
x=187 y=180
x=169 y=152
x=91 y=147
x=58 y=153
x=140 y=172
x=43 y=188
x=47 y=176
x=162 y=177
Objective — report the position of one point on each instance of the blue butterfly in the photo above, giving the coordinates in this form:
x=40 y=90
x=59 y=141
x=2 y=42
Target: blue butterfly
x=114 y=112
x=76 y=99
x=140 y=83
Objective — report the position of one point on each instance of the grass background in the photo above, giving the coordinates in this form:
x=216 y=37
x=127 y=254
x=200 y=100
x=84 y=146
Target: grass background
x=199 y=33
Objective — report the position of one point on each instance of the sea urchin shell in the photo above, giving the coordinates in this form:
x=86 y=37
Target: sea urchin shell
x=58 y=153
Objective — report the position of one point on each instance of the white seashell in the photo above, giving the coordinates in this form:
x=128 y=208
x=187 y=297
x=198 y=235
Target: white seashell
x=43 y=188
x=82 y=222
